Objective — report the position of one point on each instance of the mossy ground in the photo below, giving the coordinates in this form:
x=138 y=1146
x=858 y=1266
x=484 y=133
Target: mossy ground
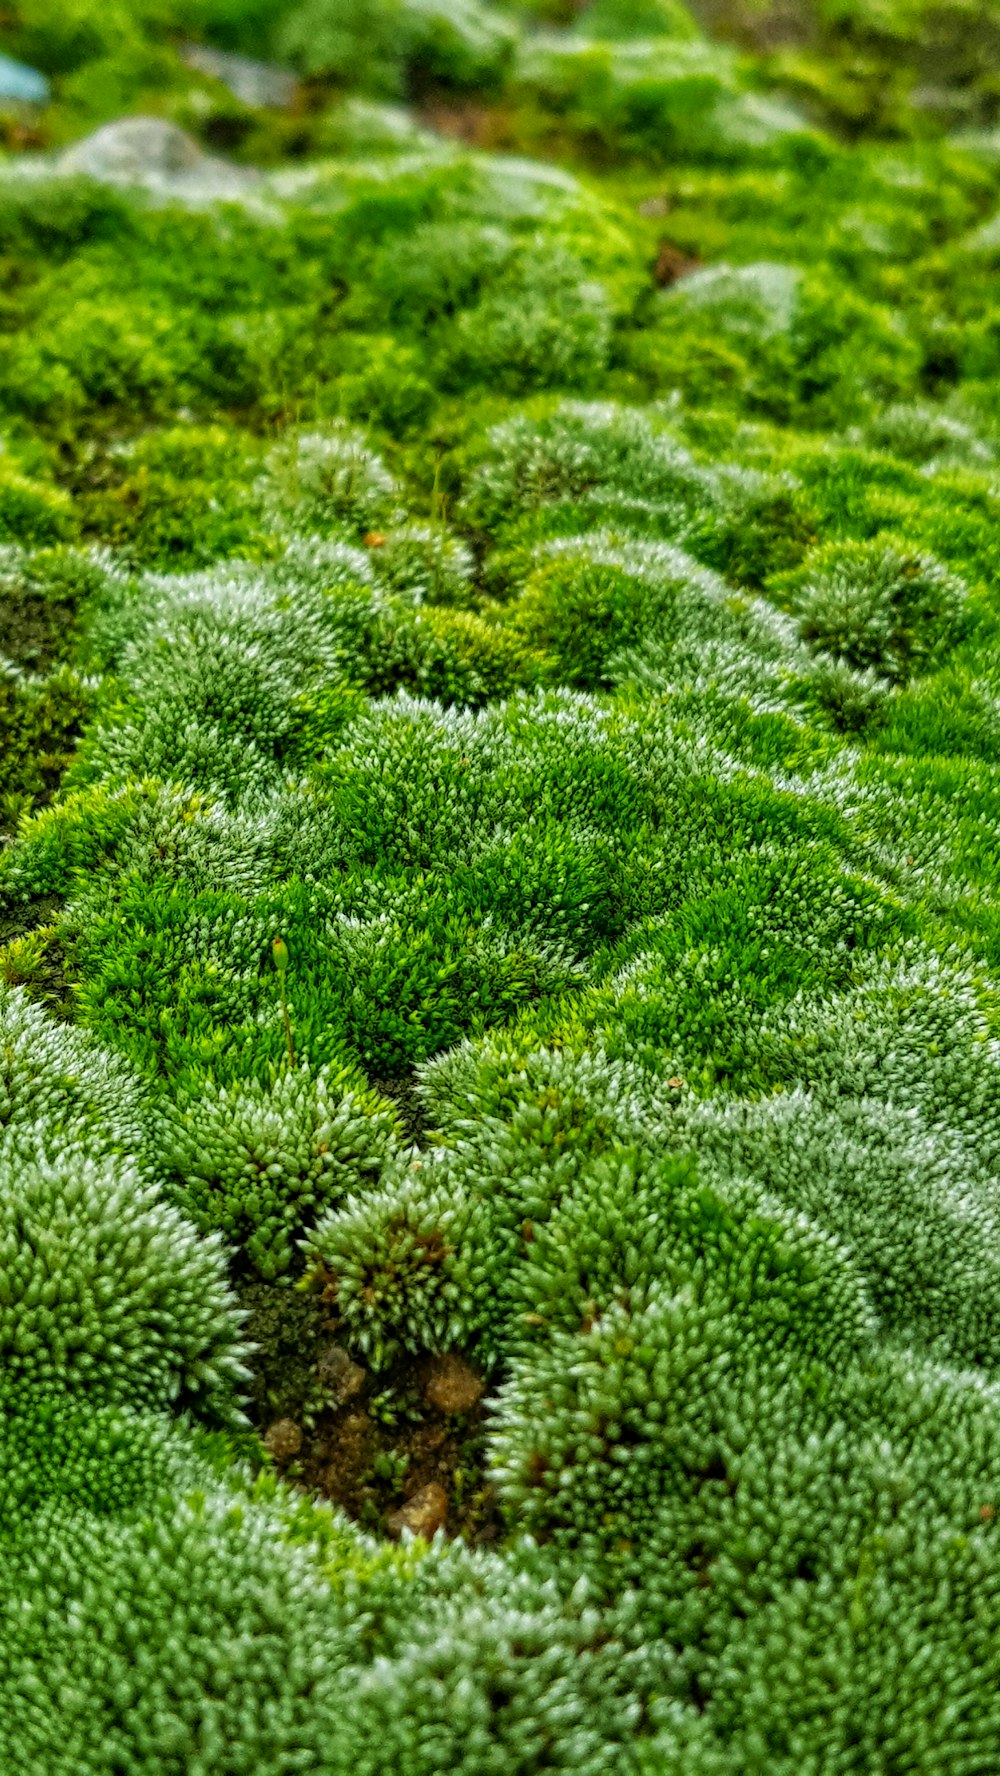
x=500 y=862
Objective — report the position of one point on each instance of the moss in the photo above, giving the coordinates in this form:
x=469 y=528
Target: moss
x=456 y=657
x=37 y=961
x=153 y=515
x=40 y=724
x=32 y=513
x=498 y=785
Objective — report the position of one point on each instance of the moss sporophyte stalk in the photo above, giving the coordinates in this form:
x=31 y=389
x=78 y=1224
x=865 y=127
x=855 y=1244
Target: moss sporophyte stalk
x=279 y=950
x=499 y=835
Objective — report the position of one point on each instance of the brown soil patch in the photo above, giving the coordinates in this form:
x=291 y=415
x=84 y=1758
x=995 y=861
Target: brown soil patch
x=372 y=1442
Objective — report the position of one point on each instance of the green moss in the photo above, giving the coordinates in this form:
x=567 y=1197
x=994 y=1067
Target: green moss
x=40 y=724
x=457 y=657
x=178 y=497
x=499 y=816
x=32 y=513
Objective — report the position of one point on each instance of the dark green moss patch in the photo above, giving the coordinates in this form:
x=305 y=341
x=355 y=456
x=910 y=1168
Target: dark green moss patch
x=40 y=724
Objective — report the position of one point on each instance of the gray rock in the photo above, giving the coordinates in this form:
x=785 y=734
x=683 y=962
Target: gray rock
x=340 y=1377
x=26 y=85
x=257 y=84
x=159 y=157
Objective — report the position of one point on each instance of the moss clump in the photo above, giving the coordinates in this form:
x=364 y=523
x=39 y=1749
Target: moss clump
x=40 y=724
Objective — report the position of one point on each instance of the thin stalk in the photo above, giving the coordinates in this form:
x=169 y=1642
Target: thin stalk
x=279 y=950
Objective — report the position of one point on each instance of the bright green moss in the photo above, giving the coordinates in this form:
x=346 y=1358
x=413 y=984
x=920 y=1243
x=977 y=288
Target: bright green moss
x=578 y=613
x=456 y=42
x=455 y=657
x=33 y=514
x=878 y=607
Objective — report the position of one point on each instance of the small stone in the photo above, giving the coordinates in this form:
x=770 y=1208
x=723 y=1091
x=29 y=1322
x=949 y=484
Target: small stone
x=452 y=1387
x=23 y=84
x=283 y=1439
x=149 y=152
x=258 y=84
x=341 y=1378
x=424 y=1514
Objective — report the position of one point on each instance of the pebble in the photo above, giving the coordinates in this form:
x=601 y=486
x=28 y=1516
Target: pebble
x=425 y=1513
x=672 y=263
x=283 y=1439
x=451 y=1386
x=342 y=1379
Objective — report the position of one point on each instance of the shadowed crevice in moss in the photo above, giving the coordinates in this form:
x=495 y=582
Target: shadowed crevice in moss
x=34 y=955
x=367 y=1440
x=40 y=725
